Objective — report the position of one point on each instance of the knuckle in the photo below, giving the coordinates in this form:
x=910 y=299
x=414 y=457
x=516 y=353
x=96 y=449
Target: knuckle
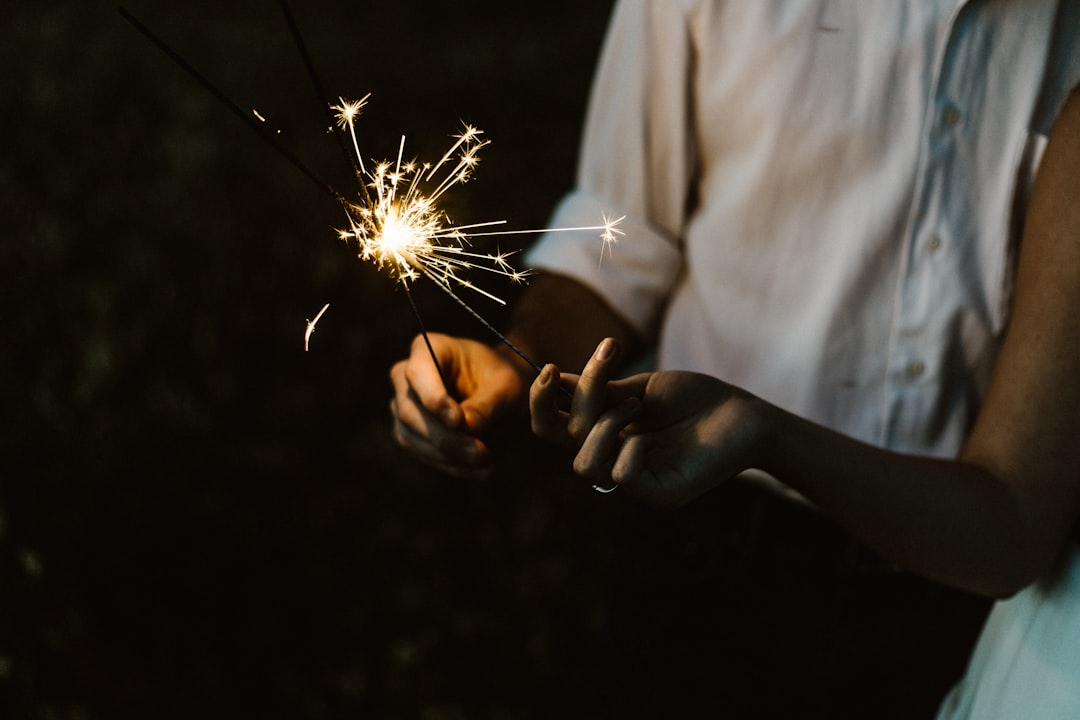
x=619 y=476
x=397 y=372
x=589 y=468
x=577 y=429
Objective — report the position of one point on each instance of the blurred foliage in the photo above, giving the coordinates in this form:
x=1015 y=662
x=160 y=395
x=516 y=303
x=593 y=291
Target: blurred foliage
x=198 y=519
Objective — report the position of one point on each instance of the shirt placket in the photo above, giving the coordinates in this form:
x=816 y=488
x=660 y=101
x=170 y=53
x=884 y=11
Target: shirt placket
x=912 y=371
x=950 y=231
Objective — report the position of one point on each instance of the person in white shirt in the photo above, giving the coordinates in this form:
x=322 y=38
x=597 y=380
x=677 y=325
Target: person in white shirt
x=858 y=258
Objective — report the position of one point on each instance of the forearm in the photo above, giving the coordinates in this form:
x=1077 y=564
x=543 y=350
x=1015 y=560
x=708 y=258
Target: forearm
x=1000 y=515
x=948 y=520
x=560 y=321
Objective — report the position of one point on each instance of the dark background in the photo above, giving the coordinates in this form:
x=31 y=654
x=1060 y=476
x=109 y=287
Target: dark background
x=198 y=519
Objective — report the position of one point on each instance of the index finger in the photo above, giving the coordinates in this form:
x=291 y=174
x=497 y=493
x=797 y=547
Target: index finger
x=590 y=395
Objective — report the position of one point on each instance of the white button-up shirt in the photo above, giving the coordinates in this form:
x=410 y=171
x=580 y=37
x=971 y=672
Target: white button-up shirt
x=822 y=197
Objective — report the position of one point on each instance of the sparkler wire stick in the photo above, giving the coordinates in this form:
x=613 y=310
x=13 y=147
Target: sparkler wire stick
x=320 y=91
x=249 y=120
x=427 y=340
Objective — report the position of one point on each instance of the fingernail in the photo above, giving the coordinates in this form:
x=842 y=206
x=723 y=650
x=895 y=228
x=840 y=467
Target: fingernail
x=606 y=349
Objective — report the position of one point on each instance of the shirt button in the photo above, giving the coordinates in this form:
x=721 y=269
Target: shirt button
x=915 y=369
x=933 y=243
x=951 y=116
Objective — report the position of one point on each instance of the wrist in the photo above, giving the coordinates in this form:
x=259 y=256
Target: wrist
x=790 y=448
x=764 y=424
x=525 y=371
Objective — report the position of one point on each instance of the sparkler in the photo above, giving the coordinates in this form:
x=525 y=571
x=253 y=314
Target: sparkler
x=396 y=221
x=399 y=225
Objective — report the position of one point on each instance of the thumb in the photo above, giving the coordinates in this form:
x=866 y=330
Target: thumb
x=429 y=373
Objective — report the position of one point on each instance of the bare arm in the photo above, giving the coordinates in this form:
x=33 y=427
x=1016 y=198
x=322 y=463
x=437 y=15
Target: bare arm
x=990 y=521
x=998 y=517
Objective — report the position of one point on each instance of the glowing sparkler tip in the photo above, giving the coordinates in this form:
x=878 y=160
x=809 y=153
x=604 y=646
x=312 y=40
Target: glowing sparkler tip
x=468 y=133
x=610 y=233
x=348 y=110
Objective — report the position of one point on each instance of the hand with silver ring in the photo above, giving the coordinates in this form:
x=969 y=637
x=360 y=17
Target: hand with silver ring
x=666 y=437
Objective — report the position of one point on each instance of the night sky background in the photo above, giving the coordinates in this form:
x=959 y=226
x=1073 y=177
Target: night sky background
x=198 y=519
